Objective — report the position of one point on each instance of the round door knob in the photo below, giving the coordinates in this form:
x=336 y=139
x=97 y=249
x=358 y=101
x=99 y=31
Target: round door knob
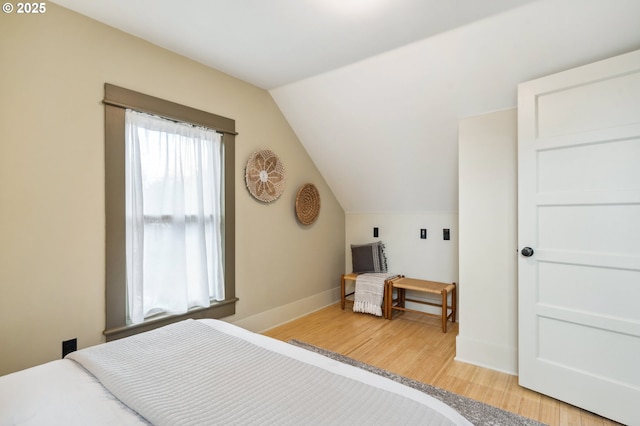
x=527 y=252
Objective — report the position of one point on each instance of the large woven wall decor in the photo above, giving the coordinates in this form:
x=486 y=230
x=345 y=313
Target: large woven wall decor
x=307 y=204
x=265 y=176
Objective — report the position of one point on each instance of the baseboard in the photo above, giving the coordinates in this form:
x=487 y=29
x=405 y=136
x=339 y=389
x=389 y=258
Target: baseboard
x=282 y=314
x=487 y=355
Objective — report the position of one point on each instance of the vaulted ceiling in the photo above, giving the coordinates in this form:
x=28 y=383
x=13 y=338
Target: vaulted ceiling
x=374 y=89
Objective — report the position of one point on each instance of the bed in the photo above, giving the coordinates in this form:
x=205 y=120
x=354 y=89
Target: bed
x=198 y=372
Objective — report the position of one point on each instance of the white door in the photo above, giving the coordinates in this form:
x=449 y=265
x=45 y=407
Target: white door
x=579 y=212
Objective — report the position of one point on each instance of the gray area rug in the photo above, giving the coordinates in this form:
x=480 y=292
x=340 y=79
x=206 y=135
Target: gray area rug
x=478 y=413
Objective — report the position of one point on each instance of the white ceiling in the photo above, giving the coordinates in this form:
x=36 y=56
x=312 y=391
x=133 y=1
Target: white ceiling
x=374 y=89
x=270 y=43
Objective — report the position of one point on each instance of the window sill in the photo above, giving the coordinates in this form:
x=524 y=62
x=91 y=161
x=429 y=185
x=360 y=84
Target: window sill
x=216 y=310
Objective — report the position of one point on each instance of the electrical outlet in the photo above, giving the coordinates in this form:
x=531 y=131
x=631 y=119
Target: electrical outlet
x=375 y=232
x=446 y=234
x=423 y=234
x=69 y=346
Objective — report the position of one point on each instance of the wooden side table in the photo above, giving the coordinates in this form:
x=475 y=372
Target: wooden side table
x=403 y=284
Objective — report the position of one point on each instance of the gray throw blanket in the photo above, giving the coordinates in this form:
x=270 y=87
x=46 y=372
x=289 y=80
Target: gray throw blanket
x=191 y=374
x=369 y=293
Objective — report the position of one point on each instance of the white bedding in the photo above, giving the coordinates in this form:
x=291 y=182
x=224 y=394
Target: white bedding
x=62 y=392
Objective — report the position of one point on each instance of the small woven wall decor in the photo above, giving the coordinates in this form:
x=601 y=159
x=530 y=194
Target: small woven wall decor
x=264 y=176
x=307 y=204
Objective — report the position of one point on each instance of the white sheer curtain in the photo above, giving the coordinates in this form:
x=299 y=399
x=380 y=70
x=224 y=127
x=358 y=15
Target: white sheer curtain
x=174 y=223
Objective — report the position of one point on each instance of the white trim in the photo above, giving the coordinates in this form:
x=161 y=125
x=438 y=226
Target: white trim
x=487 y=355
x=282 y=314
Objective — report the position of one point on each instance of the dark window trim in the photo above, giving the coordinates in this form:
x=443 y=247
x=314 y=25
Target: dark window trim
x=116 y=101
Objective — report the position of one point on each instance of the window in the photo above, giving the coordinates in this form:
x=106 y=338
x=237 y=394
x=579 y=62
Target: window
x=169 y=210
x=173 y=225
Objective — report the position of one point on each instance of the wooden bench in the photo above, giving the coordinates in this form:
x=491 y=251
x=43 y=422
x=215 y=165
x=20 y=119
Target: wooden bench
x=403 y=284
x=344 y=295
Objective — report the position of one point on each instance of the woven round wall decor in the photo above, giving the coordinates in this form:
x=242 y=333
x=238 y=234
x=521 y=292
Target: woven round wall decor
x=307 y=204
x=264 y=176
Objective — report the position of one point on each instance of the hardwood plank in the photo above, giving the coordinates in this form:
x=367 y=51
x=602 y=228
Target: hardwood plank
x=549 y=412
x=569 y=415
x=414 y=346
x=497 y=389
x=511 y=399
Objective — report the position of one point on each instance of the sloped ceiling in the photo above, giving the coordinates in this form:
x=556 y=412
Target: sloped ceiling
x=374 y=89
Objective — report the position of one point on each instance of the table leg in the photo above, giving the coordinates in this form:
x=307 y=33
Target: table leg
x=385 y=300
x=444 y=310
x=454 y=305
x=342 y=291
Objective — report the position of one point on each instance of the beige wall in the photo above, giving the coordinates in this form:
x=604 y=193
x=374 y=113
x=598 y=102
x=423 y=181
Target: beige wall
x=52 y=71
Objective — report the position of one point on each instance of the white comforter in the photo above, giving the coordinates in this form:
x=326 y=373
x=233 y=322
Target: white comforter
x=60 y=393
x=271 y=382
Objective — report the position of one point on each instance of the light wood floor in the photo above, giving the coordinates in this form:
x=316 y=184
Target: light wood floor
x=414 y=346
